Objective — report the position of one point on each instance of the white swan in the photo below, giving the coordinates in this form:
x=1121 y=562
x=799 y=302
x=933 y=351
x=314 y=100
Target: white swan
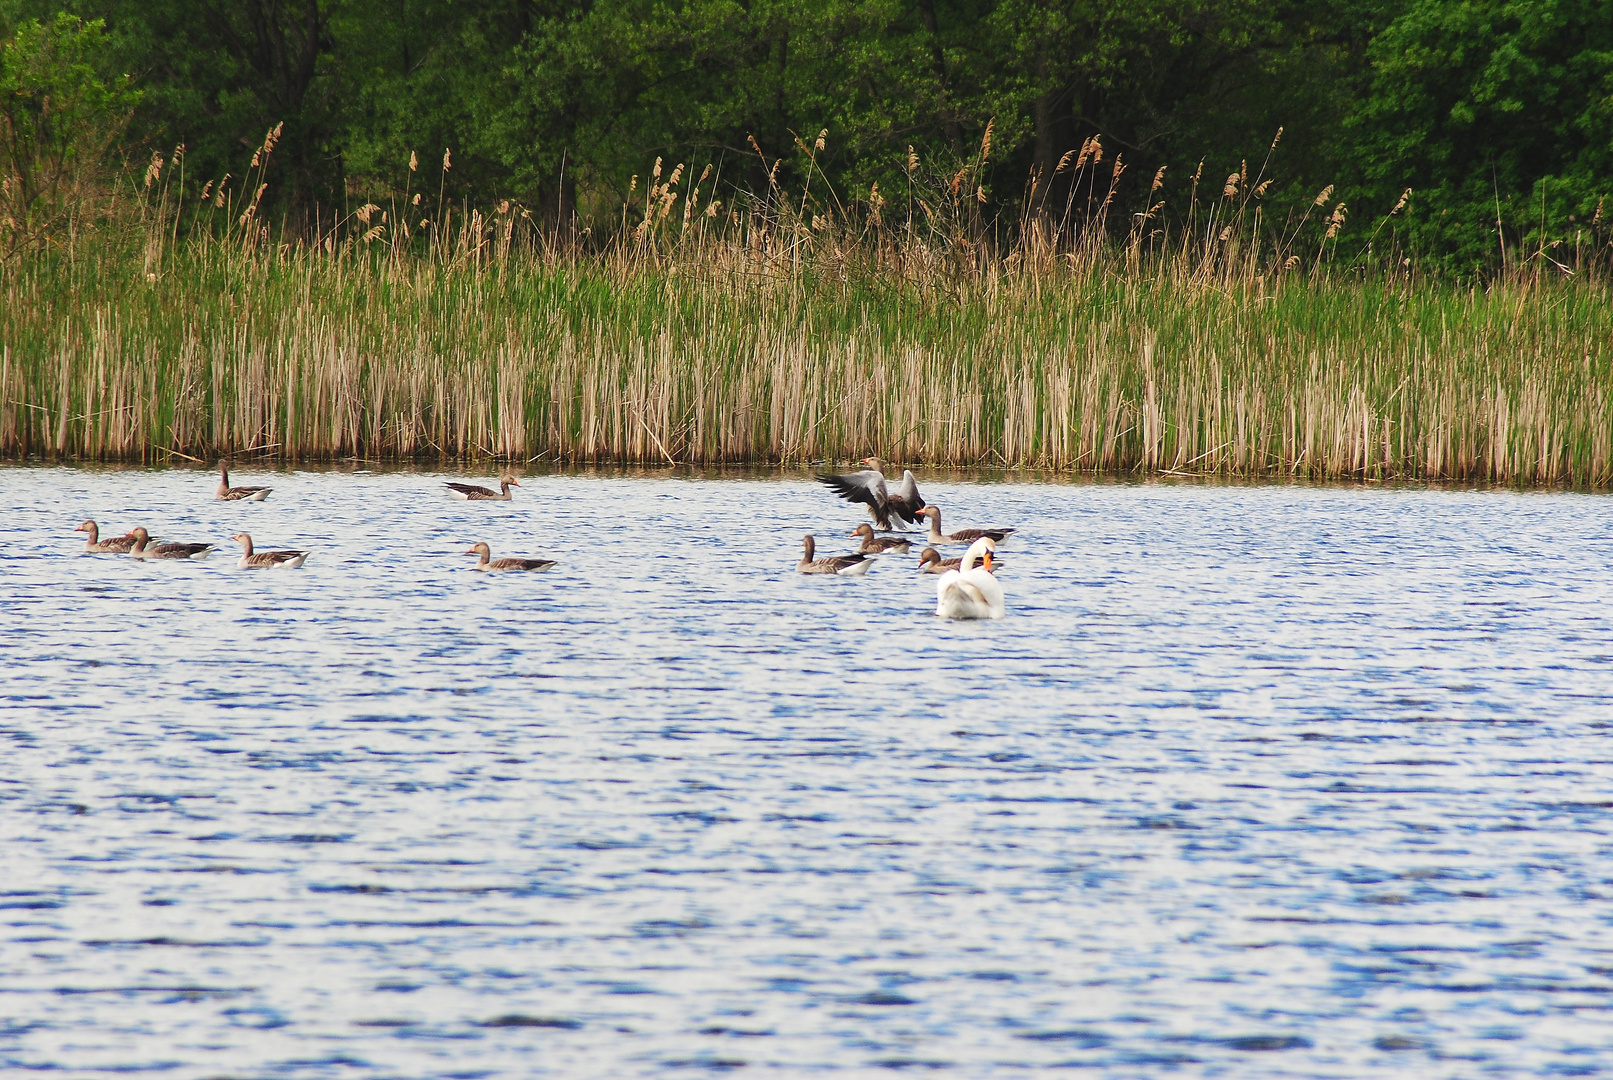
x=971 y=592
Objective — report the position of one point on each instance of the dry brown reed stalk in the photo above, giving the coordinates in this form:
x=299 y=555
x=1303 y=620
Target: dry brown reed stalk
x=791 y=331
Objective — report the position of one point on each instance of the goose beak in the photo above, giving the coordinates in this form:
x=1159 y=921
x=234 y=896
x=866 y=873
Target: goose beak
x=515 y=483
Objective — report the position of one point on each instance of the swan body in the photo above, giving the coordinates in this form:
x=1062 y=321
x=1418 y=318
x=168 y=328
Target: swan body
x=971 y=592
x=488 y=564
x=885 y=501
x=474 y=493
x=237 y=494
x=145 y=549
x=266 y=560
x=94 y=544
x=840 y=565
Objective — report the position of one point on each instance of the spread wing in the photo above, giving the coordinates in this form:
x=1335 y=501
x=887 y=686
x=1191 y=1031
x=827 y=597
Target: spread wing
x=469 y=489
x=867 y=487
x=905 y=501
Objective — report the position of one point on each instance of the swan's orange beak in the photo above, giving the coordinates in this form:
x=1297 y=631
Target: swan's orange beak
x=988 y=558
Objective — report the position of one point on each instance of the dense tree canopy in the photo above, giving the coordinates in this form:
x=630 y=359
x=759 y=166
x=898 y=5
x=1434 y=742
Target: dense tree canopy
x=1484 y=108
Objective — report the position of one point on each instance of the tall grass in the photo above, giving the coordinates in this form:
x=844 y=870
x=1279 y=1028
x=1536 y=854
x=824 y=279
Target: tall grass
x=782 y=332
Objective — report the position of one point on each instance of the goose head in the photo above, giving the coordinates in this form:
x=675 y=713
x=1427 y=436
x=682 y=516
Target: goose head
x=139 y=533
x=510 y=480
x=89 y=527
x=809 y=545
x=244 y=539
x=872 y=463
x=865 y=530
x=930 y=556
x=480 y=548
x=933 y=513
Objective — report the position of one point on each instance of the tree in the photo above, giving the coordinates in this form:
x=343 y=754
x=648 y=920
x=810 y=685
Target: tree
x=60 y=120
x=1494 y=112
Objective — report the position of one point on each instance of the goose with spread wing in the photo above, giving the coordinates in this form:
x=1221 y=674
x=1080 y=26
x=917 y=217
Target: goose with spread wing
x=94 y=544
x=886 y=502
x=962 y=536
x=488 y=564
x=971 y=592
x=237 y=494
x=842 y=565
x=145 y=549
x=474 y=493
x=266 y=560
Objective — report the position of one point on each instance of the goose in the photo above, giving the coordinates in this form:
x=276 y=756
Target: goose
x=878 y=545
x=971 y=592
x=843 y=565
x=871 y=488
x=473 y=493
x=500 y=566
x=930 y=562
x=271 y=560
x=962 y=536
x=141 y=550
x=237 y=494
x=93 y=542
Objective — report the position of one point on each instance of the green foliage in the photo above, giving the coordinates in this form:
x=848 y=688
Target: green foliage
x=1477 y=105
x=60 y=118
x=1493 y=111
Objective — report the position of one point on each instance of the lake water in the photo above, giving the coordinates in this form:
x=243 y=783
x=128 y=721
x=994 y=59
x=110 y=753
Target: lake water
x=1251 y=781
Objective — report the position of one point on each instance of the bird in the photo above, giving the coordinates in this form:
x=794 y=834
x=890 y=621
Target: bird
x=266 y=560
x=930 y=562
x=962 y=536
x=878 y=545
x=94 y=543
x=872 y=489
x=843 y=565
x=144 y=549
x=971 y=592
x=473 y=493
x=499 y=566
x=237 y=494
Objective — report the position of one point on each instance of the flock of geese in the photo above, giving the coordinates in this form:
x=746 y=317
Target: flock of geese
x=967 y=589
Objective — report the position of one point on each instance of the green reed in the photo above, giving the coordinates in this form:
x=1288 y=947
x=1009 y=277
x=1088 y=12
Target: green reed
x=761 y=337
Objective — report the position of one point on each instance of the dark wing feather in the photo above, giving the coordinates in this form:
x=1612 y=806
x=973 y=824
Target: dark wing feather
x=867 y=487
x=470 y=489
x=906 y=500
x=999 y=535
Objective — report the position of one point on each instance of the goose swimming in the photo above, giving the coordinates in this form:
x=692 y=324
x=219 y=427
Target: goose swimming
x=878 y=545
x=930 y=562
x=500 y=566
x=962 y=536
x=474 y=493
x=145 y=549
x=93 y=542
x=869 y=486
x=843 y=565
x=237 y=494
x=971 y=592
x=266 y=560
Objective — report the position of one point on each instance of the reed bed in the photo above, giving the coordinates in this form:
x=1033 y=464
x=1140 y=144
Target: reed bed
x=758 y=344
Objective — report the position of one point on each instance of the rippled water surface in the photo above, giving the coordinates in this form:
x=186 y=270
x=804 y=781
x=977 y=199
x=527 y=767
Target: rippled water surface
x=1251 y=781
